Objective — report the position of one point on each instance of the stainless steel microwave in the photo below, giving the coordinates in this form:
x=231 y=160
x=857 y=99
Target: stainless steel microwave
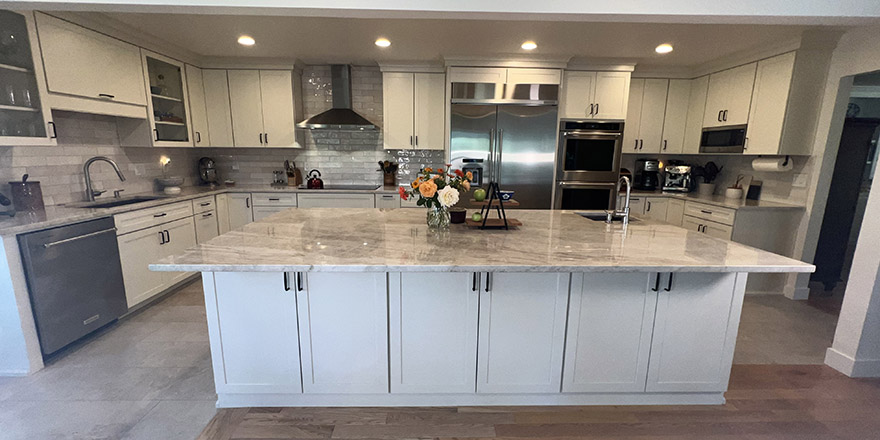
x=723 y=139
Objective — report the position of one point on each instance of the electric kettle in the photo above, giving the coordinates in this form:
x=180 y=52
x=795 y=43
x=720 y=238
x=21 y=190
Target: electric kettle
x=315 y=181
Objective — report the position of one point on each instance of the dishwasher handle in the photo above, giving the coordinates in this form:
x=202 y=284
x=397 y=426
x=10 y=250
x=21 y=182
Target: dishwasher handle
x=68 y=240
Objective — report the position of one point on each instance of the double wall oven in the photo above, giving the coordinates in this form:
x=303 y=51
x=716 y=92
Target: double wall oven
x=588 y=164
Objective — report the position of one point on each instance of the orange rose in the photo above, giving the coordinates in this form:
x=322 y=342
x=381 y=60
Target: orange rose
x=439 y=170
x=466 y=185
x=416 y=182
x=459 y=173
x=428 y=170
x=428 y=189
x=469 y=175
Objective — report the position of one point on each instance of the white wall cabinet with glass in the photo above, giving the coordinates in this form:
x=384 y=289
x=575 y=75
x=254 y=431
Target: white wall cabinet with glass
x=24 y=118
x=168 y=105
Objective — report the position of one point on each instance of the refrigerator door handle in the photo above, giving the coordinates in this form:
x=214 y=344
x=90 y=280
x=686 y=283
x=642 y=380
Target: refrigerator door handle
x=499 y=153
x=491 y=164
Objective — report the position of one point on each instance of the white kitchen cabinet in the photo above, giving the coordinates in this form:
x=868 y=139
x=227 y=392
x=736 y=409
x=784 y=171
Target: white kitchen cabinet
x=729 y=96
x=693 y=131
x=168 y=104
x=695 y=331
x=207 y=226
x=90 y=71
x=708 y=227
x=643 y=132
x=595 y=95
x=222 y=202
x=180 y=235
x=136 y=251
x=25 y=117
x=675 y=118
x=343 y=331
x=769 y=104
x=335 y=200
x=261 y=212
x=636 y=204
x=219 y=112
x=414 y=110
x=656 y=208
x=260 y=343
x=197 y=109
x=433 y=333
x=262 y=103
x=533 y=76
x=247 y=108
x=674 y=212
x=610 y=322
x=521 y=332
x=493 y=75
x=387 y=201
x=239 y=210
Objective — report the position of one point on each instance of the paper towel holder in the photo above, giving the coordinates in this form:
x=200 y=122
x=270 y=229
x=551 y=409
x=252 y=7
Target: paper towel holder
x=787 y=158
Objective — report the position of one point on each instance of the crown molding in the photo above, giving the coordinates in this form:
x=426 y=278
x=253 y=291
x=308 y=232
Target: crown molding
x=602 y=64
x=412 y=67
x=546 y=62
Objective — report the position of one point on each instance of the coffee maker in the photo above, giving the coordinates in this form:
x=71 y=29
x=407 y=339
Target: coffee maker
x=208 y=171
x=647 y=176
x=678 y=178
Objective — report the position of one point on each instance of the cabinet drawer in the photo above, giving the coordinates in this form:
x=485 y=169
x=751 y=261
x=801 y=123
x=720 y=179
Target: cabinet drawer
x=336 y=200
x=709 y=228
x=145 y=218
x=389 y=201
x=203 y=204
x=206 y=226
x=273 y=199
x=709 y=212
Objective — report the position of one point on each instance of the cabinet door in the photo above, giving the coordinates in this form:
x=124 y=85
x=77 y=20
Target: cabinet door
x=656 y=208
x=239 y=211
x=197 y=109
x=651 y=120
x=168 y=103
x=674 y=212
x=430 y=111
x=633 y=116
x=219 y=114
x=222 y=201
x=180 y=235
x=136 y=251
x=716 y=98
x=769 y=102
x=611 y=96
x=577 y=89
x=675 y=119
x=692 y=223
x=718 y=230
x=447 y=318
x=206 y=226
x=695 y=332
x=521 y=332
x=258 y=334
x=610 y=321
x=739 y=95
x=343 y=323
x=276 y=91
x=398 y=98
x=247 y=108
x=84 y=63
x=388 y=201
x=696 y=108
x=636 y=205
x=261 y=212
x=336 y=200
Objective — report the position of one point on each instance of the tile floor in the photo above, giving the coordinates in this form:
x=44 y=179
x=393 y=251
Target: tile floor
x=149 y=376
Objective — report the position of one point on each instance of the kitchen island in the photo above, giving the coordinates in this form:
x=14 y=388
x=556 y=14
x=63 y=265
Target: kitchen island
x=365 y=307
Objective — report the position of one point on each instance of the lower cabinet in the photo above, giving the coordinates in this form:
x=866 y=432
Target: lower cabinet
x=311 y=200
x=206 y=226
x=388 y=201
x=261 y=212
x=343 y=331
x=610 y=322
x=180 y=235
x=222 y=203
x=239 y=210
x=675 y=212
x=656 y=208
x=708 y=227
x=695 y=331
x=260 y=347
x=433 y=331
x=521 y=332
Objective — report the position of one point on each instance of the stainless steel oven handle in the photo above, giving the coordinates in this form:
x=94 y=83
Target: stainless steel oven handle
x=68 y=240
x=590 y=133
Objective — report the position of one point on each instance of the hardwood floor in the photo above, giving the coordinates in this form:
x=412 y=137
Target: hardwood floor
x=764 y=402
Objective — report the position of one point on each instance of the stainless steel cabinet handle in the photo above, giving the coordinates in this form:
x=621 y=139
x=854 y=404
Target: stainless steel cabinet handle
x=156 y=132
x=669 y=285
x=80 y=237
x=54 y=130
x=746 y=143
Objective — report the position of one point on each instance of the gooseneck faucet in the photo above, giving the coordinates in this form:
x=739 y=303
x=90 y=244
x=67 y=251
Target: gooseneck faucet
x=91 y=193
x=622 y=213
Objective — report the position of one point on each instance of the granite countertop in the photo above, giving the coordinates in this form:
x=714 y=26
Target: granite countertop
x=355 y=240
x=60 y=215
x=719 y=200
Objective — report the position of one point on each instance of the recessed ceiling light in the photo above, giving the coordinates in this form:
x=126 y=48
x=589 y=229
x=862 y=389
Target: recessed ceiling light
x=663 y=48
x=383 y=42
x=529 y=45
x=246 y=40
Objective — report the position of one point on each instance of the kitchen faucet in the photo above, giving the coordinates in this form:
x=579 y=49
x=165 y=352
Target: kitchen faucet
x=91 y=193
x=623 y=214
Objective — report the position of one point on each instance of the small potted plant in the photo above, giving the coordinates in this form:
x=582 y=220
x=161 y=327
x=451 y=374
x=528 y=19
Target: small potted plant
x=438 y=190
x=706 y=176
x=735 y=191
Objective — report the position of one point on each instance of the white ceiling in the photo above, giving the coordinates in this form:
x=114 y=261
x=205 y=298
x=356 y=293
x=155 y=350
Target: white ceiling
x=318 y=40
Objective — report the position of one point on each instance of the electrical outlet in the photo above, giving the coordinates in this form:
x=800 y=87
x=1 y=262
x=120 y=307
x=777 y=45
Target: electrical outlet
x=139 y=170
x=800 y=180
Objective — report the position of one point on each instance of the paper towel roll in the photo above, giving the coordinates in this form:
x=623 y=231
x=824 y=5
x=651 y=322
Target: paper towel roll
x=772 y=164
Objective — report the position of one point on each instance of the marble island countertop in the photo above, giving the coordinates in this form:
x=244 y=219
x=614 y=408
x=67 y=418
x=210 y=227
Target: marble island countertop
x=353 y=240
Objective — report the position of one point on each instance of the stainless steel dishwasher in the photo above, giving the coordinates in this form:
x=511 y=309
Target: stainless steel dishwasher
x=74 y=277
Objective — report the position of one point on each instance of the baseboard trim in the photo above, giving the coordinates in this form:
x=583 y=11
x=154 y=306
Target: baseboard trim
x=850 y=366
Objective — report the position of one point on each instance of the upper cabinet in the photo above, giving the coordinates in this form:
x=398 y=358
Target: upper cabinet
x=675 y=120
x=595 y=95
x=168 y=104
x=729 y=96
x=262 y=104
x=198 y=110
x=693 y=130
x=414 y=110
x=90 y=72
x=643 y=131
x=24 y=117
x=769 y=103
x=218 y=112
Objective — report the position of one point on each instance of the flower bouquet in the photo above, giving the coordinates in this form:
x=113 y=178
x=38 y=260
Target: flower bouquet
x=438 y=190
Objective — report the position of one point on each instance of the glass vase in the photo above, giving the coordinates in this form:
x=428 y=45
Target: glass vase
x=438 y=218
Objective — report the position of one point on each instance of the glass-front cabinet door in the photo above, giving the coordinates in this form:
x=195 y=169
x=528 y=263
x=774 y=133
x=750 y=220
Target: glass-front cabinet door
x=168 y=106
x=24 y=119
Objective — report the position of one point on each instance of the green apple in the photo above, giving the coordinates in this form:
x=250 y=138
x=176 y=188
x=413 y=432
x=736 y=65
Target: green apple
x=477 y=216
x=479 y=194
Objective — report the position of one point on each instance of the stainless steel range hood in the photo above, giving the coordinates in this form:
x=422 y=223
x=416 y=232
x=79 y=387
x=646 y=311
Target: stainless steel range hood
x=341 y=116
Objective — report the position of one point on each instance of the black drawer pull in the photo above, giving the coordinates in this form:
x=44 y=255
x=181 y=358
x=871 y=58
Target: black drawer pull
x=205 y=204
x=106 y=95
x=274 y=200
x=160 y=215
x=705 y=212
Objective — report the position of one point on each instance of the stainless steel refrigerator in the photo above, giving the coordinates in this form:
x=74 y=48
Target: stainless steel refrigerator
x=515 y=145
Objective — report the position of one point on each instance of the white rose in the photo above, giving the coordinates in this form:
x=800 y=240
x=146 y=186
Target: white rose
x=447 y=196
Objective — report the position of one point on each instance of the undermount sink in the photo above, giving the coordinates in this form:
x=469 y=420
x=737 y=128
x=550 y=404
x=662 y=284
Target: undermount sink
x=115 y=202
x=600 y=216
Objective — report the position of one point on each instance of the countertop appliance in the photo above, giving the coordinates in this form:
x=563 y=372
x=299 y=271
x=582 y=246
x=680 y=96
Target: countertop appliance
x=208 y=171
x=514 y=142
x=588 y=164
x=678 y=178
x=74 y=277
x=724 y=139
x=647 y=174
x=315 y=181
